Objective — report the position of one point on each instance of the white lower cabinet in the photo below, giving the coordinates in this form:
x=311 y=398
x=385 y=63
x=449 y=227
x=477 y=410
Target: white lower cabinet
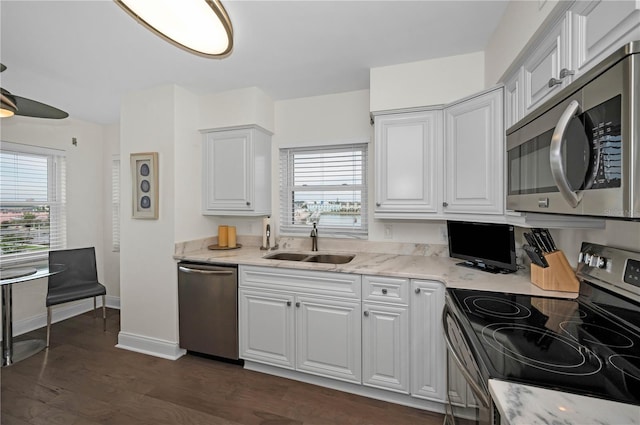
x=328 y=338
x=312 y=326
x=267 y=327
x=380 y=333
x=428 y=367
x=385 y=333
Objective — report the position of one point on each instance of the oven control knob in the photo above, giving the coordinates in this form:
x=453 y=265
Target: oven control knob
x=598 y=262
x=587 y=258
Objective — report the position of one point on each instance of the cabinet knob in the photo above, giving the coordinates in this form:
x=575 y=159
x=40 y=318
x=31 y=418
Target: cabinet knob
x=564 y=73
x=366 y=313
x=288 y=303
x=248 y=203
x=384 y=291
x=554 y=82
x=298 y=304
x=445 y=204
x=378 y=204
x=417 y=290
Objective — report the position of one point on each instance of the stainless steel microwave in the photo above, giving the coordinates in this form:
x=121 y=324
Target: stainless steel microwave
x=579 y=153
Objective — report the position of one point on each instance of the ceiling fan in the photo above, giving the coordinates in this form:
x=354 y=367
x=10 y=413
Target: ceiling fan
x=16 y=105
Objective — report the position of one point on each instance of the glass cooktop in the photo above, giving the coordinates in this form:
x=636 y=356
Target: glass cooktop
x=590 y=345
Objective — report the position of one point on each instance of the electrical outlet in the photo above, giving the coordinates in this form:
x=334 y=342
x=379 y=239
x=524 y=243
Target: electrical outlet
x=388 y=231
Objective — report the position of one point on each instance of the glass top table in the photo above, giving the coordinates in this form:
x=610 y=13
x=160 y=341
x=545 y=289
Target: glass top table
x=15 y=351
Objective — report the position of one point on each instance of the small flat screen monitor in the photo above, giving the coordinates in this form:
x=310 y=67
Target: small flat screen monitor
x=487 y=246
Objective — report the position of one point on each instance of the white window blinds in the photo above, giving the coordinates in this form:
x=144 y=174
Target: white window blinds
x=115 y=204
x=325 y=185
x=32 y=202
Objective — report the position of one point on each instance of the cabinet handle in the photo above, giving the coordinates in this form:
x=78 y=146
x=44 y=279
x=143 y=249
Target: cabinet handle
x=366 y=313
x=248 y=203
x=564 y=73
x=445 y=204
x=298 y=304
x=554 y=82
x=384 y=291
x=288 y=303
x=417 y=290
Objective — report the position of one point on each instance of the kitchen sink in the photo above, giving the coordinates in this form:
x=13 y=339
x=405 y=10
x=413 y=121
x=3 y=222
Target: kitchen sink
x=330 y=258
x=289 y=256
x=310 y=258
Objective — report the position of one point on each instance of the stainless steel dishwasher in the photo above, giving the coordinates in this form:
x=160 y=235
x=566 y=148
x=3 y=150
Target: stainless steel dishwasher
x=208 y=309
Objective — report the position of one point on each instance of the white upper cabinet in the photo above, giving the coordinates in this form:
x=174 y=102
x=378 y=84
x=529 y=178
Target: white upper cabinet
x=547 y=69
x=425 y=172
x=236 y=171
x=600 y=27
x=513 y=99
x=474 y=150
x=407 y=160
x=576 y=36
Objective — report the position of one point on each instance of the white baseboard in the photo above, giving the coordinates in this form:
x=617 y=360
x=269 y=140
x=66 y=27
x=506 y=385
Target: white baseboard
x=151 y=346
x=61 y=312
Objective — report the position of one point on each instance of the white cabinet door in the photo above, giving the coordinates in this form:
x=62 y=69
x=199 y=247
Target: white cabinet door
x=542 y=70
x=328 y=338
x=600 y=27
x=407 y=162
x=514 y=99
x=474 y=150
x=237 y=172
x=385 y=351
x=267 y=327
x=428 y=367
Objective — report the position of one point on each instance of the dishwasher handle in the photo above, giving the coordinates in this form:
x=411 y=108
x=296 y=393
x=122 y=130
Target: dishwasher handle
x=477 y=390
x=208 y=272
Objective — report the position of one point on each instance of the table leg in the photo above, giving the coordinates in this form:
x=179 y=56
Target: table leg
x=7 y=326
x=13 y=352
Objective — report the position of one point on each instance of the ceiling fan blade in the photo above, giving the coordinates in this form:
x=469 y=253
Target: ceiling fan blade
x=32 y=108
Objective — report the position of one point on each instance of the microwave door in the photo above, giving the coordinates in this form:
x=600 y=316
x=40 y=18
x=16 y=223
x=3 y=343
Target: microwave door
x=570 y=155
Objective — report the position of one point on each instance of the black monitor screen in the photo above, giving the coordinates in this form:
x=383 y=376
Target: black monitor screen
x=489 y=246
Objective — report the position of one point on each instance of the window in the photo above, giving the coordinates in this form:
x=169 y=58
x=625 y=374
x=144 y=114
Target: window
x=325 y=185
x=32 y=202
x=115 y=204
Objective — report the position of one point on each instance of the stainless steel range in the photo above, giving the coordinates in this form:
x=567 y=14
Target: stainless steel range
x=589 y=345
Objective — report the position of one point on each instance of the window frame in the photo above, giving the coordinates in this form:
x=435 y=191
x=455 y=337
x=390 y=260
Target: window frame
x=287 y=187
x=56 y=201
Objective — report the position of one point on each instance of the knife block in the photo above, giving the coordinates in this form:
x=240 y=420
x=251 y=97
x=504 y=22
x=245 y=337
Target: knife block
x=559 y=276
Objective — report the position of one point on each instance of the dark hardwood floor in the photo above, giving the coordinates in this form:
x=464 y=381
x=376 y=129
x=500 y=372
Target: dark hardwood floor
x=84 y=380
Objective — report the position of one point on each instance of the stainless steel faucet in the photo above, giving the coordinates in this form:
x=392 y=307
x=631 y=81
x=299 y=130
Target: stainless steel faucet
x=314 y=238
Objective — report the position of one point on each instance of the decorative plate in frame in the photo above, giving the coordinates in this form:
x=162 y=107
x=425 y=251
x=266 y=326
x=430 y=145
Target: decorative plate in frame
x=144 y=173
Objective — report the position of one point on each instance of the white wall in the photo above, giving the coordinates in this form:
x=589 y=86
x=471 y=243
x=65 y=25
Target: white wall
x=85 y=201
x=110 y=259
x=148 y=278
x=429 y=82
x=236 y=107
x=332 y=119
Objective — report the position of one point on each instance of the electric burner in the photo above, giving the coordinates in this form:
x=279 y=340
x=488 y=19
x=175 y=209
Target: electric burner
x=559 y=354
x=496 y=307
x=629 y=365
x=596 y=334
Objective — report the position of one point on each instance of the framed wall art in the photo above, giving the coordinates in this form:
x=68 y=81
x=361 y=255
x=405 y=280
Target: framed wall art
x=144 y=172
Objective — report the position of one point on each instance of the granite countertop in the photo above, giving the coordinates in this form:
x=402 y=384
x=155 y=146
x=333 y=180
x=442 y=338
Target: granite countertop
x=514 y=401
x=440 y=268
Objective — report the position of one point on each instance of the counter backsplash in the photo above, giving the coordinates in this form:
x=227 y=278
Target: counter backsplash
x=325 y=244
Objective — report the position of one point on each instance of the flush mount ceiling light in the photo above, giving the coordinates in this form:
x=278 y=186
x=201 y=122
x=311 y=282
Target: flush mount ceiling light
x=198 y=26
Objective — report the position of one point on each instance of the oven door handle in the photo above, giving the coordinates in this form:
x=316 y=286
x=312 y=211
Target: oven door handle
x=477 y=390
x=556 y=159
